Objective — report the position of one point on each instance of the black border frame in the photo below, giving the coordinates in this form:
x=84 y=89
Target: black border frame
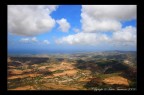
x=3 y=58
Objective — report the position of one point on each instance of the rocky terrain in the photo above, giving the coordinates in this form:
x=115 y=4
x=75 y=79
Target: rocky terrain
x=80 y=71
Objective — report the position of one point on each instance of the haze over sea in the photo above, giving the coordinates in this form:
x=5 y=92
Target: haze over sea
x=39 y=52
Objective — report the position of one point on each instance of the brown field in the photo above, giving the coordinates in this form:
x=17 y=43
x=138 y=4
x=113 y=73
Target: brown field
x=68 y=75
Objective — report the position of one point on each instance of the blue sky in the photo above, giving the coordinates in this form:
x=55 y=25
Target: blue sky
x=69 y=28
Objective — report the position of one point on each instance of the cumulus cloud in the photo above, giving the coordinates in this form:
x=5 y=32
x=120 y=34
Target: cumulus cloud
x=63 y=25
x=94 y=25
x=46 y=42
x=97 y=18
x=126 y=36
x=30 y=20
x=119 y=12
x=84 y=39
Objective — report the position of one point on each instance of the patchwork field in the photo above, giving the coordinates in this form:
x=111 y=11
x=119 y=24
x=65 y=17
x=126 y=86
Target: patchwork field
x=72 y=72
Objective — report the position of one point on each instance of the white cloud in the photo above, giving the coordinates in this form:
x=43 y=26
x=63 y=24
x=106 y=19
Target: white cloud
x=63 y=25
x=76 y=30
x=84 y=39
x=124 y=37
x=30 y=20
x=25 y=40
x=118 y=12
x=34 y=39
x=97 y=18
x=46 y=42
x=29 y=40
x=94 y=25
